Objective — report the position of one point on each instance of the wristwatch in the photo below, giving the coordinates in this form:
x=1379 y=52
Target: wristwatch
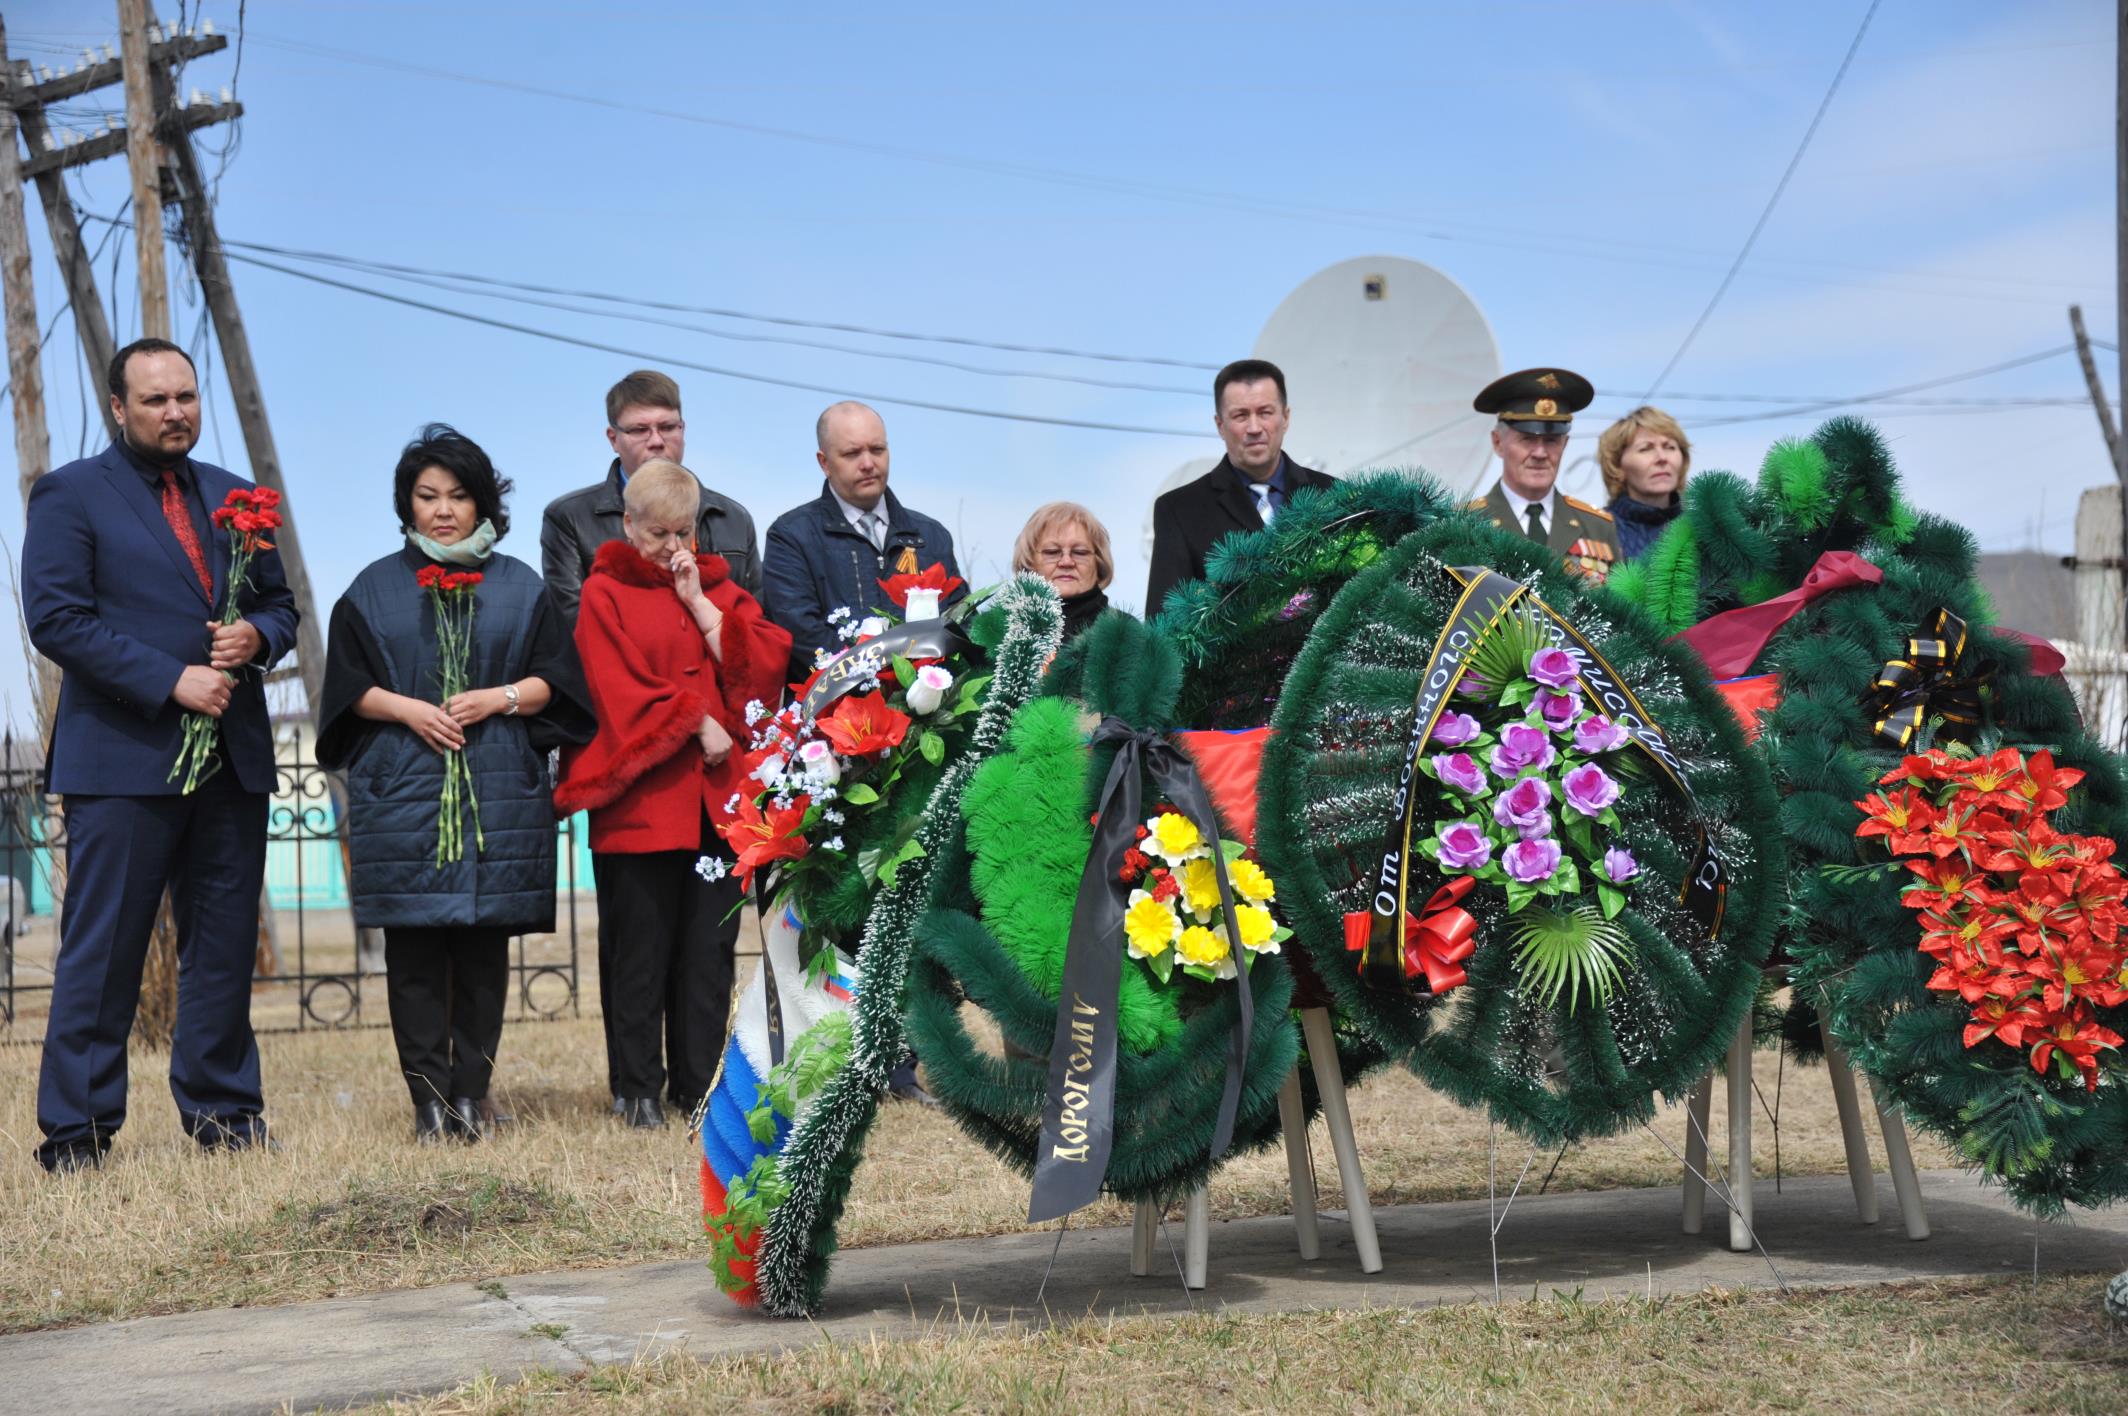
x=509 y=693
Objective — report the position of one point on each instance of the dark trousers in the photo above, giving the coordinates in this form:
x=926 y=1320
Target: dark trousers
x=447 y=988
x=669 y=977
x=209 y=850
x=605 y=968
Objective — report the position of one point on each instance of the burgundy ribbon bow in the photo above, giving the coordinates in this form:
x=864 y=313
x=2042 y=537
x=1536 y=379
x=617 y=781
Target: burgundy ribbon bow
x=1436 y=941
x=1732 y=641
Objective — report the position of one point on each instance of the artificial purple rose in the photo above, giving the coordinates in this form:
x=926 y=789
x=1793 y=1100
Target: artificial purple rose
x=1619 y=865
x=1598 y=734
x=1522 y=745
x=1558 y=710
x=1590 y=790
x=1525 y=808
x=1532 y=860
x=1554 y=668
x=1454 y=730
x=1299 y=605
x=1464 y=846
x=1458 y=771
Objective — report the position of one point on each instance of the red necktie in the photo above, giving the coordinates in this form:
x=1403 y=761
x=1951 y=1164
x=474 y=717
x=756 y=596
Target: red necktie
x=180 y=521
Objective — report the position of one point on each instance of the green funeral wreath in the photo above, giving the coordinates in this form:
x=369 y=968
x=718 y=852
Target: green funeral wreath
x=1851 y=943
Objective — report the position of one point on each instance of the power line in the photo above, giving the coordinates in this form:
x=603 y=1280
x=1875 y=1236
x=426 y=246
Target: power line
x=1425 y=229
x=1771 y=202
x=485 y=287
x=1826 y=405
x=559 y=338
x=721 y=312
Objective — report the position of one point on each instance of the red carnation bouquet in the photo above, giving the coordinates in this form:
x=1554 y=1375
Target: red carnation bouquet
x=2024 y=922
x=246 y=514
x=451 y=598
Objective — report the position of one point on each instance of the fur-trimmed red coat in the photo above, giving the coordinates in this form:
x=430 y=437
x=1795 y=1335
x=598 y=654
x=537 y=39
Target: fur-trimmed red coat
x=652 y=682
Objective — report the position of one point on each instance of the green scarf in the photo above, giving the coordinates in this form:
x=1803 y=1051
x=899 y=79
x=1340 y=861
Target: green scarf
x=473 y=550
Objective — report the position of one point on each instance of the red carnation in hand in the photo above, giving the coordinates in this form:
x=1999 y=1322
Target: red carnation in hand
x=429 y=577
x=931 y=577
x=862 y=725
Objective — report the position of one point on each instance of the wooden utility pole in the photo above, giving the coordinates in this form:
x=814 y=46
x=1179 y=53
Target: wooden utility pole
x=143 y=160
x=2119 y=446
x=2097 y=388
x=242 y=371
x=25 y=368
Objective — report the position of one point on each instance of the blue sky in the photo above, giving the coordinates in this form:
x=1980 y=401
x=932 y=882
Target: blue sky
x=1149 y=181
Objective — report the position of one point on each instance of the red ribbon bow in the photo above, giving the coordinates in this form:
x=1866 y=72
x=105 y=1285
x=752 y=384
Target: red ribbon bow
x=1436 y=941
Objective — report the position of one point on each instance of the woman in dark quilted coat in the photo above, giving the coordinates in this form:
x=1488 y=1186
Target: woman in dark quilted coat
x=447 y=922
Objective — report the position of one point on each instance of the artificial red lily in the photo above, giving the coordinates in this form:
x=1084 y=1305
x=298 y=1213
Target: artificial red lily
x=863 y=725
x=761 y=838
x=2078 y=1046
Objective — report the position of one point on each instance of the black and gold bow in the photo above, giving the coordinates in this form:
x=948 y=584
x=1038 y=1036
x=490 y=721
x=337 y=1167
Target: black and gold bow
x=1926 y=684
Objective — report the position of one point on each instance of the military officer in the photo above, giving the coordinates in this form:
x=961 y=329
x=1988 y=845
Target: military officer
x=1536 y=409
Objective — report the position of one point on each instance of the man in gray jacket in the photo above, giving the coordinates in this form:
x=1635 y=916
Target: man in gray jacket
x=642 y=422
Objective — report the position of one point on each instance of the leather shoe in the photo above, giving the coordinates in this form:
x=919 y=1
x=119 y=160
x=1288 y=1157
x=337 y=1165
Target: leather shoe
x=428 y=1123
x=642 y=1112
x=465 y=1121
x=244 y=1133
x=67 y=1160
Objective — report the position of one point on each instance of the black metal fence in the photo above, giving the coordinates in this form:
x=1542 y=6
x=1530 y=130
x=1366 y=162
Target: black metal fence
x=314 y=971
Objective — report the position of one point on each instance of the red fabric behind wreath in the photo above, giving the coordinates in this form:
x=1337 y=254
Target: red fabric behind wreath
x=1229 y=764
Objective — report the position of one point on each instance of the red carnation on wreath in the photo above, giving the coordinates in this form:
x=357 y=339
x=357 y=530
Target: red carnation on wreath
x=931 y=577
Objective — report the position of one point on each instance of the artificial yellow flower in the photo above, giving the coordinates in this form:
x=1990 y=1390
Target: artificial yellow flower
x=1200 y=886
x=1257 y=926
x=1149 y=925
x=1176 y=837
x=1199 y=945
x=1250 y=882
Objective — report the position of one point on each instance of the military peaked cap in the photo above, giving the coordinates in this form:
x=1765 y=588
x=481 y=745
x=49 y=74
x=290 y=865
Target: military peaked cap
x=1540 y=401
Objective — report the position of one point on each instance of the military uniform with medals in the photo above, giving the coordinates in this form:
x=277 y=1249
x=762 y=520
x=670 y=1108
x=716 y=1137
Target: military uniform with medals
x=1542 y=401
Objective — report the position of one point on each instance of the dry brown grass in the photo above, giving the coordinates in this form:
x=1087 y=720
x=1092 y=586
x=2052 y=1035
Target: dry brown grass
x=1974 y=1345
x=352 y=1206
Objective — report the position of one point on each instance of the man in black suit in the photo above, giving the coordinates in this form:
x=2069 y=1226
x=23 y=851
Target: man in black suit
x=1245 y=492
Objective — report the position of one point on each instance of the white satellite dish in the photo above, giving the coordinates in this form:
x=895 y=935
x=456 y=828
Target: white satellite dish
x=1382 y=356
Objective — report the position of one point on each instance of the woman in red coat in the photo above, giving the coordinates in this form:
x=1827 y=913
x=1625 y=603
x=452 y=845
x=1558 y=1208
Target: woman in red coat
x=673 y=652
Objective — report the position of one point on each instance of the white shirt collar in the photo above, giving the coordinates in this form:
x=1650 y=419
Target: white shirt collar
x=1548 y=504
x=855 y=515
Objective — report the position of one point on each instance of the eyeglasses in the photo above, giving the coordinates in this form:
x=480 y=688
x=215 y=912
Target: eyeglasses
x=1057 y=553
x=644 y=430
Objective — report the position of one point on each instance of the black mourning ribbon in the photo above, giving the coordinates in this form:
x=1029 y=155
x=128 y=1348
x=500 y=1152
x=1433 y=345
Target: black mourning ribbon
x=1078 y=1112
x=1926 y=683
x=864 y=663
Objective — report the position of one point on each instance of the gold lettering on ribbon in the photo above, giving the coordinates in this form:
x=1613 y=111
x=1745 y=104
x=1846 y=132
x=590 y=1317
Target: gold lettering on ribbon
x=1078 y=1095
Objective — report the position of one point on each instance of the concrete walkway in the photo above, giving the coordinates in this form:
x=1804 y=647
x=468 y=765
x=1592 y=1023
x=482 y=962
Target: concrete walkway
x=345 y=1351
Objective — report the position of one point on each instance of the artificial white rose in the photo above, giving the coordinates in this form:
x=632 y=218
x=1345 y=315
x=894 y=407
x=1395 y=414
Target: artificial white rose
x=817 y=760
x=929 y=690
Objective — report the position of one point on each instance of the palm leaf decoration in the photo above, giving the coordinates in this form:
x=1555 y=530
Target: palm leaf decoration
x=1505 y=647
x=1569 y=951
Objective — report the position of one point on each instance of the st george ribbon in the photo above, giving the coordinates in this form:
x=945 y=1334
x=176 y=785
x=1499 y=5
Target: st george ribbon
x=1078 y=1112
x=1487 y=598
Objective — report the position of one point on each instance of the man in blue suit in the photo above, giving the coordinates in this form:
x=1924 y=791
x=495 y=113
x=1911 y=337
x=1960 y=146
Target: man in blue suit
x=123 y=576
